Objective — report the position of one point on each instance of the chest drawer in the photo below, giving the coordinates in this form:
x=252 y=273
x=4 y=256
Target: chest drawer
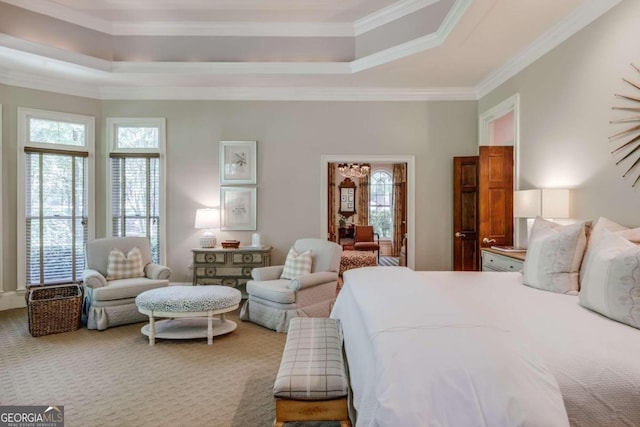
x=495 y=262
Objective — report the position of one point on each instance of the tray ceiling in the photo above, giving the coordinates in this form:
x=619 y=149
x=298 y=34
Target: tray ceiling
x=280 y=49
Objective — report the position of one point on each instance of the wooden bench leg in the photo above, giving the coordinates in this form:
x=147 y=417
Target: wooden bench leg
x=312 y=410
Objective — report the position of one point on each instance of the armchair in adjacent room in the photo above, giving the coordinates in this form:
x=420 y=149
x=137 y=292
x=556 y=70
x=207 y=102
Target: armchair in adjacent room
x=363 y=239
x=117 y=270
x=274 y=299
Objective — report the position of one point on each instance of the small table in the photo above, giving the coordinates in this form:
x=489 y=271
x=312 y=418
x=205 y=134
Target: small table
x=190 y=311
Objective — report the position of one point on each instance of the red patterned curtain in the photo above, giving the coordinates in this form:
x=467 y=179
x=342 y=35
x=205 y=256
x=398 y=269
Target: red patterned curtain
x=399 y=205
x=363 y=200
x=331 y=203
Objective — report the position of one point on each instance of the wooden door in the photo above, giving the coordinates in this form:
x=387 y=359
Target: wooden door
x=465 y=218
x=495 y=225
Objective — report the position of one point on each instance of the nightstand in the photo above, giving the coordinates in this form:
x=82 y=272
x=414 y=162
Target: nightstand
x=496 y=260
x=228 y=267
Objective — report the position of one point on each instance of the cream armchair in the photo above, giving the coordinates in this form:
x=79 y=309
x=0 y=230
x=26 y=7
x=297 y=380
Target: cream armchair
x=112 y=302
x=274 y=301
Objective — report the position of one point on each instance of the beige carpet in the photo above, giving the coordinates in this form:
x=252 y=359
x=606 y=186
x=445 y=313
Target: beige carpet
x=115 y=378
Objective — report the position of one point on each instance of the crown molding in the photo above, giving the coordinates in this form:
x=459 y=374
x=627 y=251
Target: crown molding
x=288 y=68
x=389 y=14
x=63 y=13
x=26 y=50
x=47 y=84
x=38 y=82
x=243 y=29
x=288 y=93
x=582 y=16
x=374 y=20
x=416 y=45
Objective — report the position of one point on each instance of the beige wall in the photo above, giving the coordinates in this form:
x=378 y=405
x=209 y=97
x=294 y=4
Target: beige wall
x=291 y=137
x=565 y=108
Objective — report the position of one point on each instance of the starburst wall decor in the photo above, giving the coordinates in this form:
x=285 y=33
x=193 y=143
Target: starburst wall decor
x=627 y=151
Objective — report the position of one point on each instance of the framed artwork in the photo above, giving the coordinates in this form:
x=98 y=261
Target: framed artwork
x=238 y=162
x=238 y=208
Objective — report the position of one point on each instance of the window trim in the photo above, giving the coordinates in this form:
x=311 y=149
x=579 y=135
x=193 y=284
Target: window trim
x=159 y=122
x=24 y=114
x=390 y=173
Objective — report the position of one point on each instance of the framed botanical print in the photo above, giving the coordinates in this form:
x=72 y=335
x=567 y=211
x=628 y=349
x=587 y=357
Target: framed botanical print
x=238 y=162
x=238 y=206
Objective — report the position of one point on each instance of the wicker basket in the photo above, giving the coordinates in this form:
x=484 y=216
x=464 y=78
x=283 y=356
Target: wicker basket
x=54 y=309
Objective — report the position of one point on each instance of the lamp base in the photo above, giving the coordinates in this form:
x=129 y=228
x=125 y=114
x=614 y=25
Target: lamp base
x=208 y=240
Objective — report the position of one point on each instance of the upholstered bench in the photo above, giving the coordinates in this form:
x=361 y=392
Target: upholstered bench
x=312 y=383
x=190 y=311
x=356 y=259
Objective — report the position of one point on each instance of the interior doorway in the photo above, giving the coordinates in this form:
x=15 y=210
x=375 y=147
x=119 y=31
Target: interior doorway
x=384 y=200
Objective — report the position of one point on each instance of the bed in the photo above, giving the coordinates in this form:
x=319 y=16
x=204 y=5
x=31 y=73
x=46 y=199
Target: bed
x=481 y=348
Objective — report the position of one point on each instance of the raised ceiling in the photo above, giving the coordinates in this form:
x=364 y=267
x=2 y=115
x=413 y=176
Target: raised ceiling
x=280 y=49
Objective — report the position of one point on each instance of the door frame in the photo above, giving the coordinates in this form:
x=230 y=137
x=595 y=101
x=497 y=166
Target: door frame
x=325 y=159
x=511 y=104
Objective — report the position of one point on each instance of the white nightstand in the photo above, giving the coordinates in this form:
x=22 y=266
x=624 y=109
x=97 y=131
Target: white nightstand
x=495 y=260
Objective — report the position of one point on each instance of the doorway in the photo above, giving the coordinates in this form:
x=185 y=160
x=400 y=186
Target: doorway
x=380 y=210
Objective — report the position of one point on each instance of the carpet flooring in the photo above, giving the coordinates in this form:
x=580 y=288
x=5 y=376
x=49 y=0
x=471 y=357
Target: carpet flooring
x=115 y=378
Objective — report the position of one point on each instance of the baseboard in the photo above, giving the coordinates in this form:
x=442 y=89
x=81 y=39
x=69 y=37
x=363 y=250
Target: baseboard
x=13 y=299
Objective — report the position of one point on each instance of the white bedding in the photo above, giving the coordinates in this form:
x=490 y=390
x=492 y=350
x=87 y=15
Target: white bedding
x=510 y=339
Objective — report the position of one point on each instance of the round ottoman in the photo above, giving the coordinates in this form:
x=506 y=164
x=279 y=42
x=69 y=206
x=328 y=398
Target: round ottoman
x=190 y=310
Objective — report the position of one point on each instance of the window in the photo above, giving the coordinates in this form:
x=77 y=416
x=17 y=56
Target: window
x=55 y=208
x=136 y=167
x=381 y=203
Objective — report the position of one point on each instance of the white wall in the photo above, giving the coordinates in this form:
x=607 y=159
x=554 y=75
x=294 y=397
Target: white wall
x=291 y=137
x=565 y=108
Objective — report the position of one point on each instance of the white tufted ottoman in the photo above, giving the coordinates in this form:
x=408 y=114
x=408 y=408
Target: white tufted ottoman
x=190 y=310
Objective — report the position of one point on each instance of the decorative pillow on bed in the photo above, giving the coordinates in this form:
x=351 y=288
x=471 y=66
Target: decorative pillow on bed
x=611 y=281
x=297 y=264
x=632 y=234
x=125 y=267
x=554 y=256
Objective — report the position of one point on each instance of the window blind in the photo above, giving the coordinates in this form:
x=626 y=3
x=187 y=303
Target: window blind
x=135 y=197
x=56 y=215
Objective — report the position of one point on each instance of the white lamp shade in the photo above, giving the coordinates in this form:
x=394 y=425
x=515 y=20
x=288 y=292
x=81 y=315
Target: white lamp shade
x=526 y=203
x=555 y=203
x=546 y=203
x=207 y=218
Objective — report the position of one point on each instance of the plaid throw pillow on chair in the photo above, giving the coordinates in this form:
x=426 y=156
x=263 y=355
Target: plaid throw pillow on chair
x=125 y=267
x=296 y=264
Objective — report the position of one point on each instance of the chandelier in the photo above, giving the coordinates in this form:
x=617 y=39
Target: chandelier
x=354 y=170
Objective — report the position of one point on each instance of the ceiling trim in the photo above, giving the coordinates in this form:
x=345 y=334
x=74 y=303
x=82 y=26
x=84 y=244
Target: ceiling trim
x=245 y=29
x=38 y=82
x=47 y=84
x=289 y=93
x=582 y=16
x=63 y=13
x=389 y=14
x=289 y=68
x=416 y=45
x=367 y=23
x=16 y=48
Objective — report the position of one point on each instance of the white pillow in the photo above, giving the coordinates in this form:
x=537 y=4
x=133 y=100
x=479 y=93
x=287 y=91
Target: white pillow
x=554 y=255
x=596 y=234
x=611 y=280
x=125 y=267
x=296 y=264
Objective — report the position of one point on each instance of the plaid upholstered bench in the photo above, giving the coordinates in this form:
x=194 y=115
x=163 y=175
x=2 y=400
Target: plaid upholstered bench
x=312 y=383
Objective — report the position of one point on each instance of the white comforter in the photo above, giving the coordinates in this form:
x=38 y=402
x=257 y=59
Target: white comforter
x=416 y=358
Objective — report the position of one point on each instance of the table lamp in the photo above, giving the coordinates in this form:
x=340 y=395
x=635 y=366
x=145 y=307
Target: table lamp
x=208 y=219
